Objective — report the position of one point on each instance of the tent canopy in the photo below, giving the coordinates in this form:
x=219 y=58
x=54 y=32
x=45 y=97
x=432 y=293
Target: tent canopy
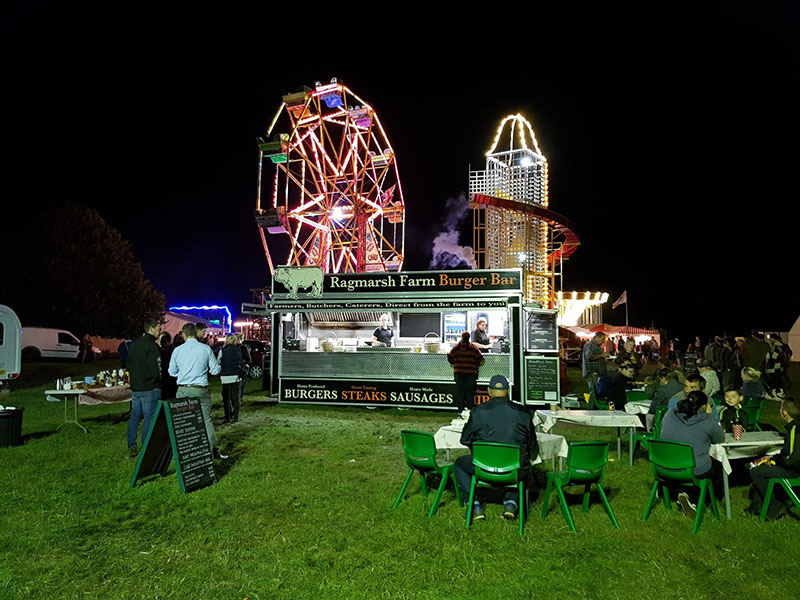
x=174 y=321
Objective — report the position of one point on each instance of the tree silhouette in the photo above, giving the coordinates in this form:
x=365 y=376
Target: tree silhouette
x=72 y=270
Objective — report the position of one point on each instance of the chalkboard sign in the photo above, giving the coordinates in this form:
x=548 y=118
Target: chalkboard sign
x=542 y=379
x=177 y=430
x=541 y=330
x=418 y=324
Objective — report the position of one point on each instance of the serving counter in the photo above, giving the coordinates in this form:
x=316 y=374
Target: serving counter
x=383 y=365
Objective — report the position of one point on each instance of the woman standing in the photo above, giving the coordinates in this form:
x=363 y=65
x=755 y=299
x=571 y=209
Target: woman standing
x=169 y=384
x=230 y=360
x=384 y=333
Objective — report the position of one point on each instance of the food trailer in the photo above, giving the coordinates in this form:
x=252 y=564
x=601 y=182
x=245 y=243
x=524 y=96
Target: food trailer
x=324 y=351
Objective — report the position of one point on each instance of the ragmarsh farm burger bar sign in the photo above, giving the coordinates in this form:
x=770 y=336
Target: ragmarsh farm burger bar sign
x=381 y=339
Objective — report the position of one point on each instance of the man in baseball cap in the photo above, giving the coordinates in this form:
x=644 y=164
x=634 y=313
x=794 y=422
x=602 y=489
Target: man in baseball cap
x=498 y=420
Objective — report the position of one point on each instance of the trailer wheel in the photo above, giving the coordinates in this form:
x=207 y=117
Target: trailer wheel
x=256 y=371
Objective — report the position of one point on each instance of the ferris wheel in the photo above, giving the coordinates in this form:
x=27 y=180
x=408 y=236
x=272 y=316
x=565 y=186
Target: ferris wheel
x=335 y=187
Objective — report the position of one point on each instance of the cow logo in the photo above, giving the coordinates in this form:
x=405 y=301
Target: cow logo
x=297 y=278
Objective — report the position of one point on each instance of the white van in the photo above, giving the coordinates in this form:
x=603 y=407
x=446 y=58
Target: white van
x=10 y=343
x=43 y=342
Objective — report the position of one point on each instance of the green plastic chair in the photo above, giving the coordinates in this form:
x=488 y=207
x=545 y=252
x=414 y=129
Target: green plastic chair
x=673 y=463
x=752 y=406
x=586 y=465
x=787 y=485
x=497 y=465
x=420 y=451
x=718 y=397
x=642 y=437
x=636 y=395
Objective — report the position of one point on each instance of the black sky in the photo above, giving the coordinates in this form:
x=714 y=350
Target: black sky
x=671 y=136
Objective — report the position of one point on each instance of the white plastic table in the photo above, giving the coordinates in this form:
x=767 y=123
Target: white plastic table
x=449 y=438
x=546 y=419
x=637 y=407
x=752 y=445
x=68 y=395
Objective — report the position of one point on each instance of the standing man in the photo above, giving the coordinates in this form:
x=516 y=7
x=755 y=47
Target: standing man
x=201 y=332
x=466 y=360
x=191 y=363
x=144 y=365
x=593 y=362
x=500 y=421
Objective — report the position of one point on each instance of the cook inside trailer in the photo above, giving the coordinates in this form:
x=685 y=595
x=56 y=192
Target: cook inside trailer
x=323 y=333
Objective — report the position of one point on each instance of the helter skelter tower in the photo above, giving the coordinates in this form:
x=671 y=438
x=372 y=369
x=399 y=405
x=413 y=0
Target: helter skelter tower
x=335 y=188
x=513 y=226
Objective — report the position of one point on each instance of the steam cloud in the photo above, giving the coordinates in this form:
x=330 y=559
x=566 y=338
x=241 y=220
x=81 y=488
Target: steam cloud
x=447 y=253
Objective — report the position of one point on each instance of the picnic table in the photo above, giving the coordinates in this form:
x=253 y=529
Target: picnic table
x=90 y=397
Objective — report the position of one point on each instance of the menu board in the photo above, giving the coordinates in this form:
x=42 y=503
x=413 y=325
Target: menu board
x=541 y=330
x=194 y=460
x=542 y=379
x=177 y=430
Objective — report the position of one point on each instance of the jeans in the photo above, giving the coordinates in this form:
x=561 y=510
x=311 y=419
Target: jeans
x=205 y=405
x=143 y=407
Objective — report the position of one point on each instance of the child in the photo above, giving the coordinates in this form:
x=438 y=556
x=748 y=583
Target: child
x=728 y=414
x=783 y=465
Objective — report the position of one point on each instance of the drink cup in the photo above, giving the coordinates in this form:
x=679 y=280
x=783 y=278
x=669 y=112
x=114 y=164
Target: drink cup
x=611 y=406
x=738 y=430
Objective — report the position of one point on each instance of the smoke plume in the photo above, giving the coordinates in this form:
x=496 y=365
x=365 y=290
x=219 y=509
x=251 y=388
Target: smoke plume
x=447 y=253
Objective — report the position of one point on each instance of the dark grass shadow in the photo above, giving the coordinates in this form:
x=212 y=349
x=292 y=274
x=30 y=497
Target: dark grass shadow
x=38 y=435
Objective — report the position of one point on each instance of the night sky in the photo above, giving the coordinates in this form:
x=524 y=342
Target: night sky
x=671 y=138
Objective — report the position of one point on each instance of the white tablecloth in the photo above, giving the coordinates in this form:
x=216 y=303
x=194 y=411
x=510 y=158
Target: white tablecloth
x=550 y=446
x=752 y=445
x=594 y=418
x=638 y=407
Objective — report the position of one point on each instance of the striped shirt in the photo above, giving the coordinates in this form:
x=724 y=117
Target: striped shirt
x=465 y=358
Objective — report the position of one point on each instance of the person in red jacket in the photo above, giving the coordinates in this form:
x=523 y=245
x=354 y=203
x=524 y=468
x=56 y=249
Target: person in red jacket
x=466 y=360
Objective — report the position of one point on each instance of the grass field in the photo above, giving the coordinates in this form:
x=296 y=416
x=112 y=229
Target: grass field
x=303 y=510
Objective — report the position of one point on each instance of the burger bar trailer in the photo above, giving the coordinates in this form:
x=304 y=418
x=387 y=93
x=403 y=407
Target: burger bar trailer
x=323 y=325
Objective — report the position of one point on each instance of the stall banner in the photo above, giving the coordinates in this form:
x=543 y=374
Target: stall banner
x=291 y=282
x=374 y=393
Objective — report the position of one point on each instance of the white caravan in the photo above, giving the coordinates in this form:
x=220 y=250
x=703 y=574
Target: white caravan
x=10 y=344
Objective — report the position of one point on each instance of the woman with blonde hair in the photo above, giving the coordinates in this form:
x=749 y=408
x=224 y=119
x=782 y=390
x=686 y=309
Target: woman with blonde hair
x=230 y=359
x=751 y=383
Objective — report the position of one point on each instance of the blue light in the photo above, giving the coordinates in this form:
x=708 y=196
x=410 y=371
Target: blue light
x=228 y=320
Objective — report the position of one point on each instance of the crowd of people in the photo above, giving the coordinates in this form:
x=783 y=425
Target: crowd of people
x=730 y=371
x=163 y=367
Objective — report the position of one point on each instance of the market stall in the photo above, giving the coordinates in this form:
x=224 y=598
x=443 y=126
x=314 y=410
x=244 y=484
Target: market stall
x=381 y=339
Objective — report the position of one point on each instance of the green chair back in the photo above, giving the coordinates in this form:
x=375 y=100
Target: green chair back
x=636 y=395
x=420 y=449
x=600 y=403
x=586 y=462
x=752 y=406
x=660 y=412
x=672 y=461
x=496 y=463
x=718 y=397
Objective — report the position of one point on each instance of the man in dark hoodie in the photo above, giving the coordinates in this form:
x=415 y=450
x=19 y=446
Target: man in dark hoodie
x=144 y=364
x=785 y=465
x=693 y=423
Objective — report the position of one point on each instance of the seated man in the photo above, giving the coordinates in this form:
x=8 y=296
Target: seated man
x=612 y=386
x=694 y=382
x=502 y=421
x=668 y=387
